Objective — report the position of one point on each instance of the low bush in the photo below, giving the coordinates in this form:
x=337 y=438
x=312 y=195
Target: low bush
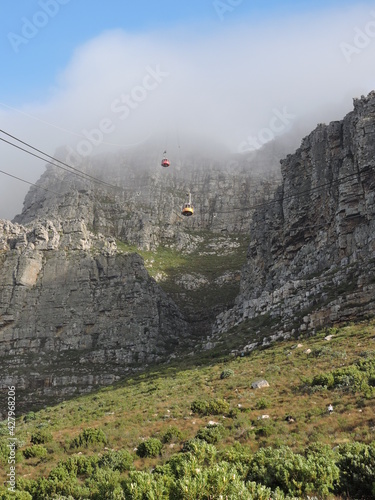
x=358 y=377
x=105 y=484
x=357 y=470
x=4 y=452
x=262 y=404
x=79 y=465
x=29 y=416
x=171 y=434
x=88 y=437
x=214 y=407
x=149 y=448
x=226 y=373
x=295 y=474
x=200 y=449
x=58 y=485
x=200 y=407
x=211 y=434
x=17 y=495
x=323 y=380
x=141 y=485
x=116 y=460
x=42 y=436
x=35 y=451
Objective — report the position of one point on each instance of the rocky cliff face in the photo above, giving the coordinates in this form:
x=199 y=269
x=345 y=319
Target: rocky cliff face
x=75 y=312
x=78 y=308
x=311 y=261
x=144 y=207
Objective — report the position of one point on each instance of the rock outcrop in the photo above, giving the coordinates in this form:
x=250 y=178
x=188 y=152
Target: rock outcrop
x=311 y=261
x=143 y=208
x=78 y=308
x=75 y=312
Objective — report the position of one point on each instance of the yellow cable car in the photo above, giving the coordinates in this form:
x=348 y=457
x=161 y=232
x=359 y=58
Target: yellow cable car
x=187 y=208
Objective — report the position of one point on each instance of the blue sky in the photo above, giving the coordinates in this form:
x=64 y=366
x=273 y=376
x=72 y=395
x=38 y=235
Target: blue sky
x=96 y=75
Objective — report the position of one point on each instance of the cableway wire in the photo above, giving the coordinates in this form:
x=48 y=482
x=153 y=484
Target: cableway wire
x=85 y=176
x=73 y=170
x=28 y=182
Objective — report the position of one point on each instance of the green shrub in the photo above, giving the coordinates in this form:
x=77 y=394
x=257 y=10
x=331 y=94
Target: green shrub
x=17 y=495
x=116 y=460
x=357 y=469
x=143 y=485
x=294 y=473
x=150 y=448
x=35 y=451
x=220 y=480
x=240 y=456
x=258 y=491
x=265 y=430
x=211 y=434
x=29 y=416
x=181 y=464
x=42 y=436
x=317 y=388
x=214 y=407
x=327 y=351
x=60 y=473
x=105 y=485
x=88 y=437
x=171 y=434
x=348 y=377
x=48 y=488
x=218 y=406
x=358 y=377
x=226 y=373
x=262 y=404
x=79 y=465
x=234 y=412
x=324 y=380
x=201 y=450
x=200 y=407
x=4 y=452
x=61 y=482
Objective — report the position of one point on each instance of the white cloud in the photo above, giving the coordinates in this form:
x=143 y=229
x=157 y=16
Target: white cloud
x=226 y=81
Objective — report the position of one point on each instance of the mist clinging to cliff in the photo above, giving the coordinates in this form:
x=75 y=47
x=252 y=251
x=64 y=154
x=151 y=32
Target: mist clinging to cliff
x=235 y=84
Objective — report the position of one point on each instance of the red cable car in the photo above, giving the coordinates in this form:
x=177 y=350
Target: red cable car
x=165 y=162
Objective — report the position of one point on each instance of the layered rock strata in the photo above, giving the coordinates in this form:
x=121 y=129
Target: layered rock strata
x=311 y=261
x=75 y=312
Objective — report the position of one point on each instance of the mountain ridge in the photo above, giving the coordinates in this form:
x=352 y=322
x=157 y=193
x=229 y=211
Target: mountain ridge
x=310 y=255
x=311 y=258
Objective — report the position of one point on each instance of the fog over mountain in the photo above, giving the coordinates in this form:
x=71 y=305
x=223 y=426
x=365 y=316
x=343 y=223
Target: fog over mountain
x=239 y=85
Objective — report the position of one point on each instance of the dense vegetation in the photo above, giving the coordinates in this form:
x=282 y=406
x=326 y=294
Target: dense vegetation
x=169 y=266
x=200 y=431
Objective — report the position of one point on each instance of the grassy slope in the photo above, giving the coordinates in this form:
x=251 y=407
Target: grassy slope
x=148 y=404
x=167 y=266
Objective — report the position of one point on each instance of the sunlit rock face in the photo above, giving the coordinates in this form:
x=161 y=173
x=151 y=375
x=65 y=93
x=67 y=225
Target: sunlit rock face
x=75 y=313
x=78 y=308
x=141 y=201
x=312 y=253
